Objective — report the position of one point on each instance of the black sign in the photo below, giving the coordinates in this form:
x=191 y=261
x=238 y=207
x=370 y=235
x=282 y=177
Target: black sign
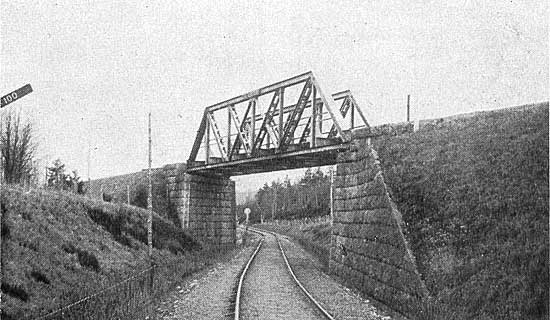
x=12 y=96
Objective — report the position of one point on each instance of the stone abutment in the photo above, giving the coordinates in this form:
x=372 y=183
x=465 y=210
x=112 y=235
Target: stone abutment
x=368 y=248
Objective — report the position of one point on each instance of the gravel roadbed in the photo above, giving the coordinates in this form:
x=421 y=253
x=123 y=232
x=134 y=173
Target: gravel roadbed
x=206 y=294
x=339 y=301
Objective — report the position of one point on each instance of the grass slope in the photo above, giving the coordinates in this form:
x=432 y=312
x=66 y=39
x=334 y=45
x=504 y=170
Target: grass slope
x=59 y=246
x=473 y=192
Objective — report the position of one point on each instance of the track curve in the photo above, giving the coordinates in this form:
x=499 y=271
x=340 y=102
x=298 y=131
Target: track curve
x=238 y=311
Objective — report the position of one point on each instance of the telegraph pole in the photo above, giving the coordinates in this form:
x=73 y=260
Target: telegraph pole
x=150 y=209
x=408 y=107
x=274 y=203
x=331 y=172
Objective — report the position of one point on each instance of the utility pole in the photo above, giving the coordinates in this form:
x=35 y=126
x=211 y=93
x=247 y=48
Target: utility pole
x=274 y=204
x=150 y=215
x=408 y=107
x=88 y=164
x=150 y=201
x=331 y=195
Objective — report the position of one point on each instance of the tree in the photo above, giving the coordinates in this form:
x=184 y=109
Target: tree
x=58 y=178
x=18 y=148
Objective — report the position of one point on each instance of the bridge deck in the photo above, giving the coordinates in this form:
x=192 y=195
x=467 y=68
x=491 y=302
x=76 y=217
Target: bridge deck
x=272 y=161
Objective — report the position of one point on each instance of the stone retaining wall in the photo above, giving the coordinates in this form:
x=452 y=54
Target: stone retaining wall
x=368 y=248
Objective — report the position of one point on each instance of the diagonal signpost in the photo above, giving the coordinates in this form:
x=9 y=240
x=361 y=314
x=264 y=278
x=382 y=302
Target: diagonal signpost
x=4 y=101
x=15 y=95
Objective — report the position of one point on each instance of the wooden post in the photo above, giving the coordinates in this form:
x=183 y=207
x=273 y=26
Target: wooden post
x=331 y=195
x=128 y=193
x=274 y=203
x=150 y=215
x=408 y=107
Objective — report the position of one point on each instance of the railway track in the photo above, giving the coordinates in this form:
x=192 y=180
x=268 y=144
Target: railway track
x=239 y=308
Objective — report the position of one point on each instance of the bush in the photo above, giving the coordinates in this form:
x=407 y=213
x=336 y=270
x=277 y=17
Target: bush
x=88 y=260
x=5 y=229
x=40 y=277
x=85 y=258
x=123 y=223
x=15 y=291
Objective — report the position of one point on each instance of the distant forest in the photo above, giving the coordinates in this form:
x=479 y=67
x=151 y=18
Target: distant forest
x=308 y=197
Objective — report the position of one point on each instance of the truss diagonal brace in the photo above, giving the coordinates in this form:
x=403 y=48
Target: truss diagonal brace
x=296 y=115
x=240 y=127
x=198 y=138
x=343 y=110
x=217 y=136
x=268 y=118
x=336 y=117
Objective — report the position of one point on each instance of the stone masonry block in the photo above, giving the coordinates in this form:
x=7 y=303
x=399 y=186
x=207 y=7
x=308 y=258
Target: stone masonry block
x=379 y=216
x=348 y=216
x=375 y=187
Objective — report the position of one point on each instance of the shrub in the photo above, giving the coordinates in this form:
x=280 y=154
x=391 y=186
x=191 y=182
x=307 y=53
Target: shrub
x=15 y=291
x=40 y=277
x=69 y=248
x=88 y=260
x=5 y=229
x=85 y=258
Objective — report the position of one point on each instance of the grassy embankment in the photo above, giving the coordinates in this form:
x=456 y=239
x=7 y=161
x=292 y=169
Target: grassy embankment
x=57 y=247
x=473 y=192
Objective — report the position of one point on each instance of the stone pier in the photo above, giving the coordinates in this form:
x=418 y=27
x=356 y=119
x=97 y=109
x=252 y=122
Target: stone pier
x=205 y=206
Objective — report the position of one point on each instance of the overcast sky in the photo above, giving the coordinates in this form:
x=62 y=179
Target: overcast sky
x=98 y=67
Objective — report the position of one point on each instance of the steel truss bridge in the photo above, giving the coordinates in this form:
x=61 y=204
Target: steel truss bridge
x=286 y=125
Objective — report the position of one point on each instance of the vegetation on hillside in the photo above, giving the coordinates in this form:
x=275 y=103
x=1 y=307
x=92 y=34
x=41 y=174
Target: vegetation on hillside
x=58 y=246
x=473 y=192
x=115 y=190
x=474 y=195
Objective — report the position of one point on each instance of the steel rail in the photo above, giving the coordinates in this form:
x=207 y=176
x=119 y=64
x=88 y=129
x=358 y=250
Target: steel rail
x=289 y=267
x=241 y=280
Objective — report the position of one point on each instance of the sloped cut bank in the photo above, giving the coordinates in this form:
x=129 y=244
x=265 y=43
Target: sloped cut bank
x=473 y=192
x=57 y=247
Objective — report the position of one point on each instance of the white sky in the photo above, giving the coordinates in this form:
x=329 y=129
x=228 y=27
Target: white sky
x=98 y=67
